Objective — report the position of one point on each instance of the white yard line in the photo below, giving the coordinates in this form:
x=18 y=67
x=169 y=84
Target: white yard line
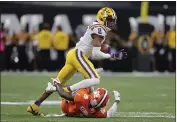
x=119 y=114
x=146 y=114
x=47 y=102
x=108 y=74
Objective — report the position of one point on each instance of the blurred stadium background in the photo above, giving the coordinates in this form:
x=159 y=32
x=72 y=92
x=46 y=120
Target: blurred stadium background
x=146 y=30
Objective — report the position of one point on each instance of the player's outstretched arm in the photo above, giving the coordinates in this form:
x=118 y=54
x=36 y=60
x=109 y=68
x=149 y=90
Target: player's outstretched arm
x=113 y=110
x=98 y=36
x=97 y=54
x=67 y=95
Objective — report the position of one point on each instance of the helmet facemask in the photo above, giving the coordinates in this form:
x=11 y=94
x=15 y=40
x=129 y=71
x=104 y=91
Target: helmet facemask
x=93 y=100
x=111 y=23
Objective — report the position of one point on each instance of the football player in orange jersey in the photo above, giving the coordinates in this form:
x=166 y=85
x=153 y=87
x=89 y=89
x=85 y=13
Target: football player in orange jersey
x=83 y=103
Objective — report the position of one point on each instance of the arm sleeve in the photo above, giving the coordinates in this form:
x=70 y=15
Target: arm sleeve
x=112 y=111
x=97 y=54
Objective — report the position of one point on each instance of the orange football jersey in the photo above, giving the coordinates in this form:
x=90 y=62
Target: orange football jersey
x=81 y=106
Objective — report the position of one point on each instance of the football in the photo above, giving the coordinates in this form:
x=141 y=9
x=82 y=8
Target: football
x=105 y=48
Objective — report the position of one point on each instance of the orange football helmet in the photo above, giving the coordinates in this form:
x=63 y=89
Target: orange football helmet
x=99 y=98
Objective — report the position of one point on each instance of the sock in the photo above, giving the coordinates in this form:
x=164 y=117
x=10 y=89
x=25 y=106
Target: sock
x=37 y=102
x=85 y=84
x=112 y=112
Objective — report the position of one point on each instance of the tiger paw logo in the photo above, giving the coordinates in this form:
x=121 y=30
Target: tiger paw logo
x=96 y=94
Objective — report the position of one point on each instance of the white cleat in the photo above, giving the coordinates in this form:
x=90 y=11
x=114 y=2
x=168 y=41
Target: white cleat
x=50 y=88
x=116 y=96
x=55 y=80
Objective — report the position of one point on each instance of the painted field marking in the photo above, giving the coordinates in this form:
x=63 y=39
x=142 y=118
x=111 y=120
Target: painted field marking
x=146 y=114
x=47 y=102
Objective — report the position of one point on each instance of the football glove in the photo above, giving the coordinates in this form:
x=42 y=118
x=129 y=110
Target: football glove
x=119 y=55
x=116 y=96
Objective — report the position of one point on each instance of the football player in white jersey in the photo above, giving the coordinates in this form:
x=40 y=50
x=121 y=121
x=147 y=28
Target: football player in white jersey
x=77 y=59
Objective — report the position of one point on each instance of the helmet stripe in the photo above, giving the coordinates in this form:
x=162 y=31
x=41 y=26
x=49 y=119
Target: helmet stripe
x=104 y=97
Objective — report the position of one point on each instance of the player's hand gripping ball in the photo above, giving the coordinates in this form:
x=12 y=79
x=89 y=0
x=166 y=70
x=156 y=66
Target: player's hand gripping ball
x=105 y=48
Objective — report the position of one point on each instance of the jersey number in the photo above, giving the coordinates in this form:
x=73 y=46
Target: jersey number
x=99 y=31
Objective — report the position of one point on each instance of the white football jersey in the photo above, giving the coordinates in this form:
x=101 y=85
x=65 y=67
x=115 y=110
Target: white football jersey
x=85 y=42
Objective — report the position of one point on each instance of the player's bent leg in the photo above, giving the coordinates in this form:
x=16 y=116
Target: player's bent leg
x=66 y=73
x=84 y=65
x=85 y=84
x=86 y=68
x=63 y=76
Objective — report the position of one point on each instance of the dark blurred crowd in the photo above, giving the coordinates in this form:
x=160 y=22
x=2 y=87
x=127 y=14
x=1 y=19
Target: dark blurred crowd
x=159 y=50
x=42 y=50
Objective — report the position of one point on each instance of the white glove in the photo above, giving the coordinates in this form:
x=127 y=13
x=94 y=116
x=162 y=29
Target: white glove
x=50 y=87
x=116 y=96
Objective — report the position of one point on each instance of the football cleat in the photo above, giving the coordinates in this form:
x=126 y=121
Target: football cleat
x=50 y=87
x=55 y=80
x=34 y=109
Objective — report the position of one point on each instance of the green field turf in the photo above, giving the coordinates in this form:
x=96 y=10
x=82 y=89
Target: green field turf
x=143 y=99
